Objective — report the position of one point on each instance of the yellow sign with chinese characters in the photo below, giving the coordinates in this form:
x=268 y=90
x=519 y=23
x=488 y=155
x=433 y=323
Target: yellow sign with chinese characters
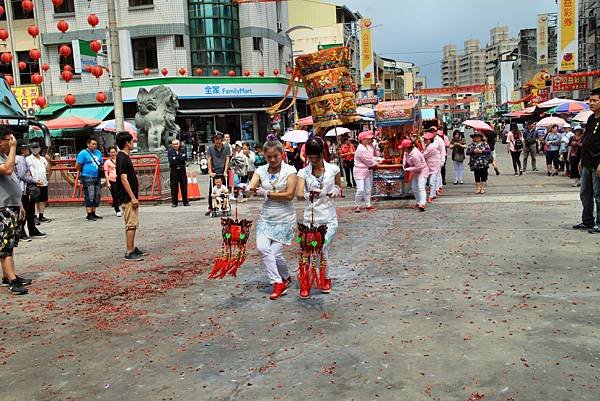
x=542 y=39
x=568 y=26
x=367 y=64
x=26 y=95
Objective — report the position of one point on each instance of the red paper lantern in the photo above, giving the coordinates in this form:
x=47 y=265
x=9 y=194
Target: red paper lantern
x=93 y=20
x=35 y=54
x=101 y=97
x=231 y=73
x=6 y=57
x=216 y=73
x=66 y=75
x=246 y=73
x=88 y=68
x=1 y=11
x=596 y=72
x=27 y=6
x=68 y=68
x=33 y=31
x=70 y=100
x=97 y=71
x=164 y=71
x=275 y=72
x=261 y=73
x=146 y=71
x=9 y=80
x=95 y=46
x=65 y=51
x=182 y=71
x=41 y=101
x=22 y=65
x=289 y=70
x=36 y=79
x=62 y=26
x=198 y=71
x=57 y=3
x=45 y=67
x=3 y=34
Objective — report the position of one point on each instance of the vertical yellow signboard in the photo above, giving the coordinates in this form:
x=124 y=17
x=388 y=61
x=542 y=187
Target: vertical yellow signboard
x=367 y=65
x=542 y=39
x=568 y=27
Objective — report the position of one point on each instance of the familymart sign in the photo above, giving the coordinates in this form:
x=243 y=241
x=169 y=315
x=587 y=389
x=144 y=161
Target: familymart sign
x=213 y=88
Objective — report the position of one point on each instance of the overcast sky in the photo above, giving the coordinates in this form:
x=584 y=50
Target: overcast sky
x=410 y=26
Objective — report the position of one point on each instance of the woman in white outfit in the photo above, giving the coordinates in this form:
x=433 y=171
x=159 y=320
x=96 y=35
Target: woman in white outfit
x=275 y=182
x=319 y=183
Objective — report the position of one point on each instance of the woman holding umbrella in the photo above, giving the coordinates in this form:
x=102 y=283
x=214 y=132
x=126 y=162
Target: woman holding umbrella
x=479 y=152
x=552 y=146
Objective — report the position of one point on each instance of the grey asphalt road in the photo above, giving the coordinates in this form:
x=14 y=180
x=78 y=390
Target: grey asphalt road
x=488 y=297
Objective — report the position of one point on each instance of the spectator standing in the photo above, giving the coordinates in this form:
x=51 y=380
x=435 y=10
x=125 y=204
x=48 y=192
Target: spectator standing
x=177 y=156
x=250 y=159
x=575 y=154
x=110 y=173
x=89 y=165
x=589 y=167
x=38 y=167
x=10 y=212
x=259 y=157
x=551 y=147
x=514 y=139
x=218 y=155
x=458 y=146
x=530 y=137
x=127 y=190
x=347 y=150
x=491 y=137
x=29 y=191
x=563 y=157
x=479 y=152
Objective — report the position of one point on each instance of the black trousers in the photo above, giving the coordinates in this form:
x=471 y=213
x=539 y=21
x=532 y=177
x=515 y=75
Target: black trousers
x=481 y=174
x=178 y=180
x=29 y=206
x=349 y=172
x=516 y=160
x=444 y=171
x=115 y=199
x=574 y=173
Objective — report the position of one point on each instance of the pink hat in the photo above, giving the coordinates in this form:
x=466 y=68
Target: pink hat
x=406 y=143
x=440 y=133
x=429 y=135
x=432 y=128
x=366 y=135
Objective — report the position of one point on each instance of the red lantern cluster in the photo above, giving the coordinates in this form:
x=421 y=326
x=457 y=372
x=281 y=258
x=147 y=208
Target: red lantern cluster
x=6 y=57
x=62 y=26
x=95 y=46
x=3 y=34
x=27 y=6
x=33 y=31
x=70 y=99
x=41 y=101
x=93 y=20
x=101 y=97
x=37 y=79
x=35 y=54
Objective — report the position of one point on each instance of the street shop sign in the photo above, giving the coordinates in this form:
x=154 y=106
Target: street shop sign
x=26 y=95
x=400 y=112
x=449 y=90
x=568 y=83
x=367 y=100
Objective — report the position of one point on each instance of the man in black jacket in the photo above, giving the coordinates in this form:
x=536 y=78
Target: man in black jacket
x=589 y=167
x=177 y=160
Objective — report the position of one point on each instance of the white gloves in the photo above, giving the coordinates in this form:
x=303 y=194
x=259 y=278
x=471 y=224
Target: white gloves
x=336 y=192
x=262 y=193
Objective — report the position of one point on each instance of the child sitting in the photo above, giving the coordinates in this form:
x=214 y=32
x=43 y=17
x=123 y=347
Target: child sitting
x=219 y=193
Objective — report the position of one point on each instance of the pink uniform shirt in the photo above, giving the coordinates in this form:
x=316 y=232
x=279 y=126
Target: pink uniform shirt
x=414 y=162
x=431 y=153
x=364 y=159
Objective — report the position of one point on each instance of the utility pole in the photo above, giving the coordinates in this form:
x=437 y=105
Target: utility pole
x=115 y=66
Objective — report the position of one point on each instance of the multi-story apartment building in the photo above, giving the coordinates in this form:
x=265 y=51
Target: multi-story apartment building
x=467 y=68
x=500 y=43
x=589 y=35
x=525 y=65
x=450 y=66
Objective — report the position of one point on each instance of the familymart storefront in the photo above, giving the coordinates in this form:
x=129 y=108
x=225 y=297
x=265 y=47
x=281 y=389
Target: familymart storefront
x=233 y=105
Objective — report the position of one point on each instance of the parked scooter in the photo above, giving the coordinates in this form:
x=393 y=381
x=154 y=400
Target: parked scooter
x=203 y=163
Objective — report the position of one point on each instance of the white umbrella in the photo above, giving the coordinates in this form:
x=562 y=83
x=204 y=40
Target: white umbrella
x=583 y=116
x=296 y=136
x=338 y=131
x=554 y=102
x=550 y=121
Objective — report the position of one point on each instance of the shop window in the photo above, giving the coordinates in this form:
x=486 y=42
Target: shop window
x=18 y=13
x=138 y=3
x=178 y=40
x=63 y=61
x=6 y=69
x=257 y=44
x=144 y=53
x=67 y=7
x=32 y=67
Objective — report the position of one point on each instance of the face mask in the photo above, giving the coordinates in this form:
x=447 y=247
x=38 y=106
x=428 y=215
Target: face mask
x=36 y=151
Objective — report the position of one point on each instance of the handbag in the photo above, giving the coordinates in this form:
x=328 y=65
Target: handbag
x=100 y=172
x=32 y=191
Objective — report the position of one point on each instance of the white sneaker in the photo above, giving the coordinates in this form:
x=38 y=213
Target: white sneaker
x=119 y=214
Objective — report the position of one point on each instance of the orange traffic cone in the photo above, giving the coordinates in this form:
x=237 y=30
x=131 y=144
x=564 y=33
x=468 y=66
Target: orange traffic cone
x=193 y=189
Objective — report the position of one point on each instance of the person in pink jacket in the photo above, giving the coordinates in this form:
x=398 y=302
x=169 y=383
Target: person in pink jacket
x=414 y=162
x=433 y=158
x=365 y=158
x=441 y=145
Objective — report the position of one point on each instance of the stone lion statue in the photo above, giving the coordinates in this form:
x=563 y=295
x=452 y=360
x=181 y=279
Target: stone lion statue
x=155 y=119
